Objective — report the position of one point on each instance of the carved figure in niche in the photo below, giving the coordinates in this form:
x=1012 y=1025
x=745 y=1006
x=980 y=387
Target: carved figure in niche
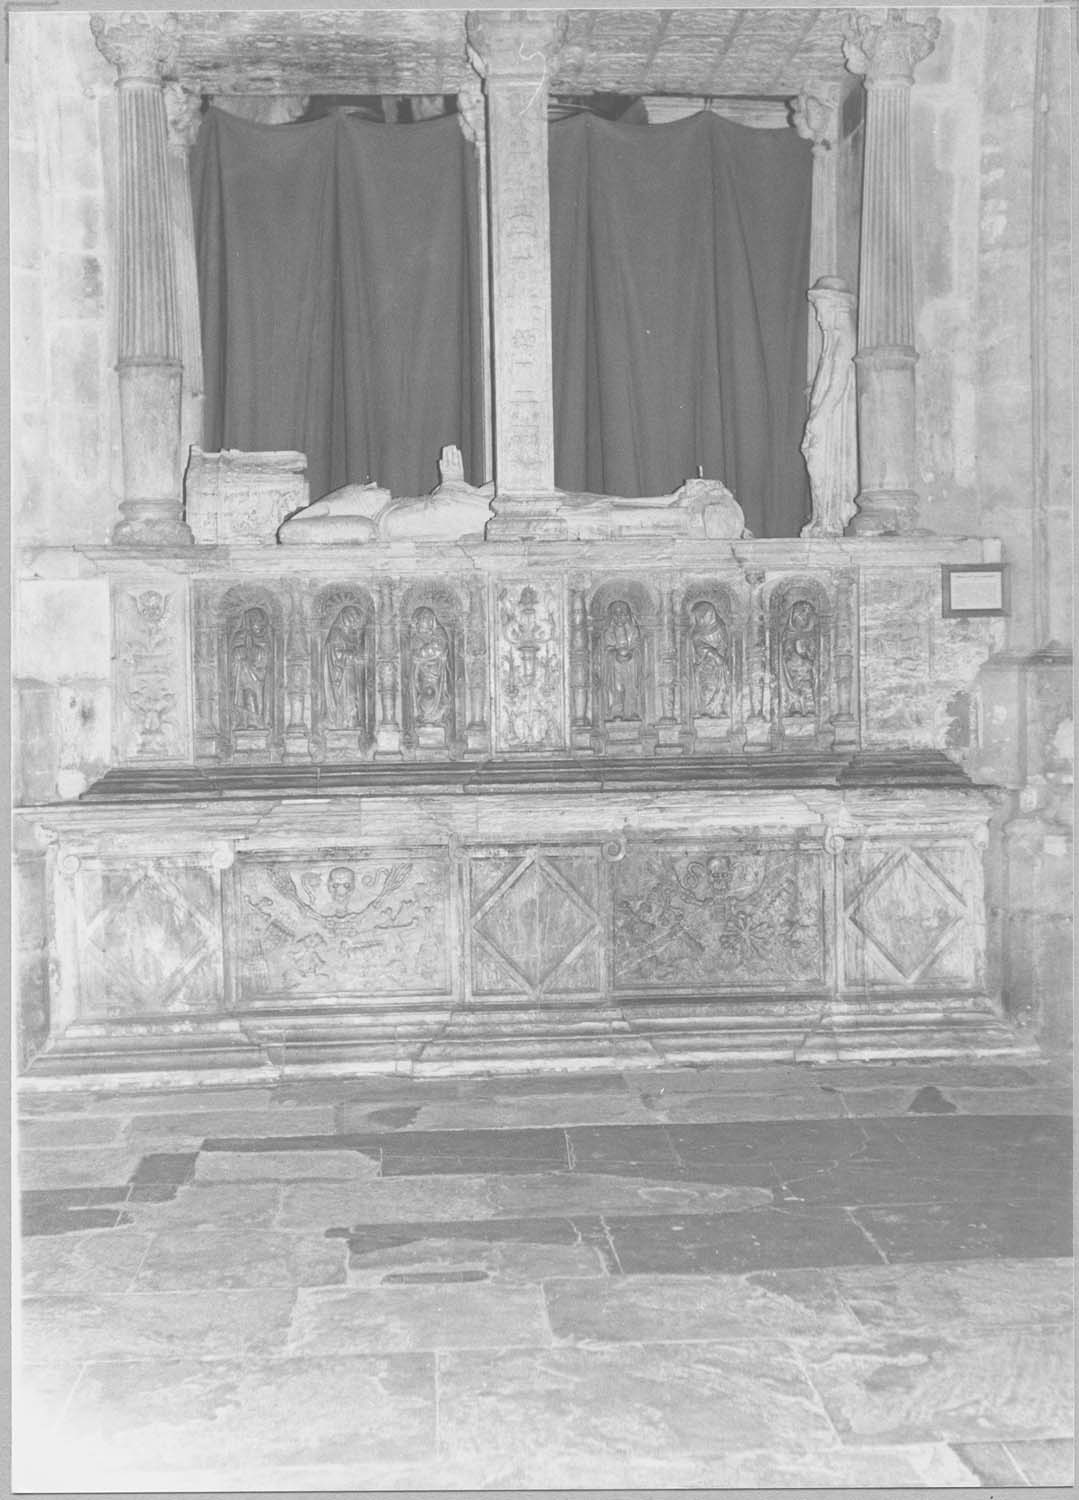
x=430 y=668
x=344 y=686
x=710 y=661
x=621 y=663
x=798 y=652
x=249 y=662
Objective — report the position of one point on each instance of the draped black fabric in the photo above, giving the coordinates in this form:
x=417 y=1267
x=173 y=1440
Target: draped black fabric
x=679 y=265
x=339 y=283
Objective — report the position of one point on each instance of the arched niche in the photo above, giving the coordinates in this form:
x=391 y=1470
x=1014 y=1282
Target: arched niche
x=711 y=665
x=250 y=674
x=800 y=617
x=624 y=625
x=342 y=672
x=432 y=618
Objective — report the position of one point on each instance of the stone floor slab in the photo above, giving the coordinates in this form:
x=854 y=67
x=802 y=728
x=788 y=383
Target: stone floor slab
x=62 y=1132
x=733 y=1243
x=685 y=1108
x=214 y=1205
x=187 y=1260
x=408 y=1318
x=958 y=1295
x=250 y=1123
x=1049 y=1462
x=529 y=1111
x=180 y=1415
x=636 y=1309
x=315 y=1206
x=990 y=1464
x=285 y=1166
x=982 y=1229
x=39 y=1397
x=633 y=1402
x=995 y=1385
x=580 y=1192
x=434 y=1153
x=104 y=1262
x=156 y=1325
x=526 y=1250
x=77 y=1166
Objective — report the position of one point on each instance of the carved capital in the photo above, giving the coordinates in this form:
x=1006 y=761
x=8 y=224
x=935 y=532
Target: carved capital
x=888 y=51
x=815 y=118
x=514 y=44
x=183 y=110
x=141 y=47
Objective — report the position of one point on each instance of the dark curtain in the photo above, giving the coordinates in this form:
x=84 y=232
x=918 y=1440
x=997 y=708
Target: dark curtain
x=679 y=265
x=340 y=295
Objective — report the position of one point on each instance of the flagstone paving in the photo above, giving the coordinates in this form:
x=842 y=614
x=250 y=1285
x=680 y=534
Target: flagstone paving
x=841 y=1276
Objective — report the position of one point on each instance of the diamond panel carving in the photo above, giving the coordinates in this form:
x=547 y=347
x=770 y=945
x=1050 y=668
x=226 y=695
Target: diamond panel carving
x=151 y=941
x=906 y=914
x=538 y=929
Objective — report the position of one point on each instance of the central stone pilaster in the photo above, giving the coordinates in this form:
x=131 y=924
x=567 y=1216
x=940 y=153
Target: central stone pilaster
x=512 y=52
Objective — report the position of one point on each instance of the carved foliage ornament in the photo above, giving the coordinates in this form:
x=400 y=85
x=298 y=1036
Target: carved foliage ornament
x=184 y=111
x=138 y=46
x=888 y=51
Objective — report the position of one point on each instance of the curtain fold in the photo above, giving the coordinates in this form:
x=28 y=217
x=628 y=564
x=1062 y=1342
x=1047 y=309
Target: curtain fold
x=679 y=265
x=340 y=295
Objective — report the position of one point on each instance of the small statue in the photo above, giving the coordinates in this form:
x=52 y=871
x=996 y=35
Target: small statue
x=622 y=663
x=344 y=686
x=249 y=661
x=799 y=650
x=710 y=661
x=430 y=672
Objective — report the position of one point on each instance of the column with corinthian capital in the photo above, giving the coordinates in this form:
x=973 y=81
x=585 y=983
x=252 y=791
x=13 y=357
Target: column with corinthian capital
x=885 y=52
x=142 y=48
x=512 y=51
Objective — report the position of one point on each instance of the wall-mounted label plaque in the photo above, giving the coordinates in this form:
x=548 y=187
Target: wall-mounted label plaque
x=972 y=589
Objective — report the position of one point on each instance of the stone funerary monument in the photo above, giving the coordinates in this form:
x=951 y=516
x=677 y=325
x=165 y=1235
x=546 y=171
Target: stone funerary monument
x=508 y=775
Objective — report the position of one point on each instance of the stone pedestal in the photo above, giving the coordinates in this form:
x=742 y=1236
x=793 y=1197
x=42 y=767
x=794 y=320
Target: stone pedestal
x=885 y=52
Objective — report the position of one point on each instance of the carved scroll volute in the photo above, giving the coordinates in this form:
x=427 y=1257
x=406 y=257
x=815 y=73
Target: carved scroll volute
x=758 y=721
x=830 y=442
x=477 y=731
x=388 y=733
x=297 y=679
x=580 y=725
x=845 y=719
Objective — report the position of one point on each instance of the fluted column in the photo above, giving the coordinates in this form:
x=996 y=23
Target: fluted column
x=512 y=52
x=886 y=52
x=184 y=111
x=142 y=48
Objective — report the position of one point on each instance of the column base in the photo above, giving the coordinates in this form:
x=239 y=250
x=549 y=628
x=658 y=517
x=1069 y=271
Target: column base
x=523 y=517
x=884 y=513
x=151 y=523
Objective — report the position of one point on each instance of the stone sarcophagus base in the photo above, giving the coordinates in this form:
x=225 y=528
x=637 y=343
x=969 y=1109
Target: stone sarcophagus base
x=513 y=917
